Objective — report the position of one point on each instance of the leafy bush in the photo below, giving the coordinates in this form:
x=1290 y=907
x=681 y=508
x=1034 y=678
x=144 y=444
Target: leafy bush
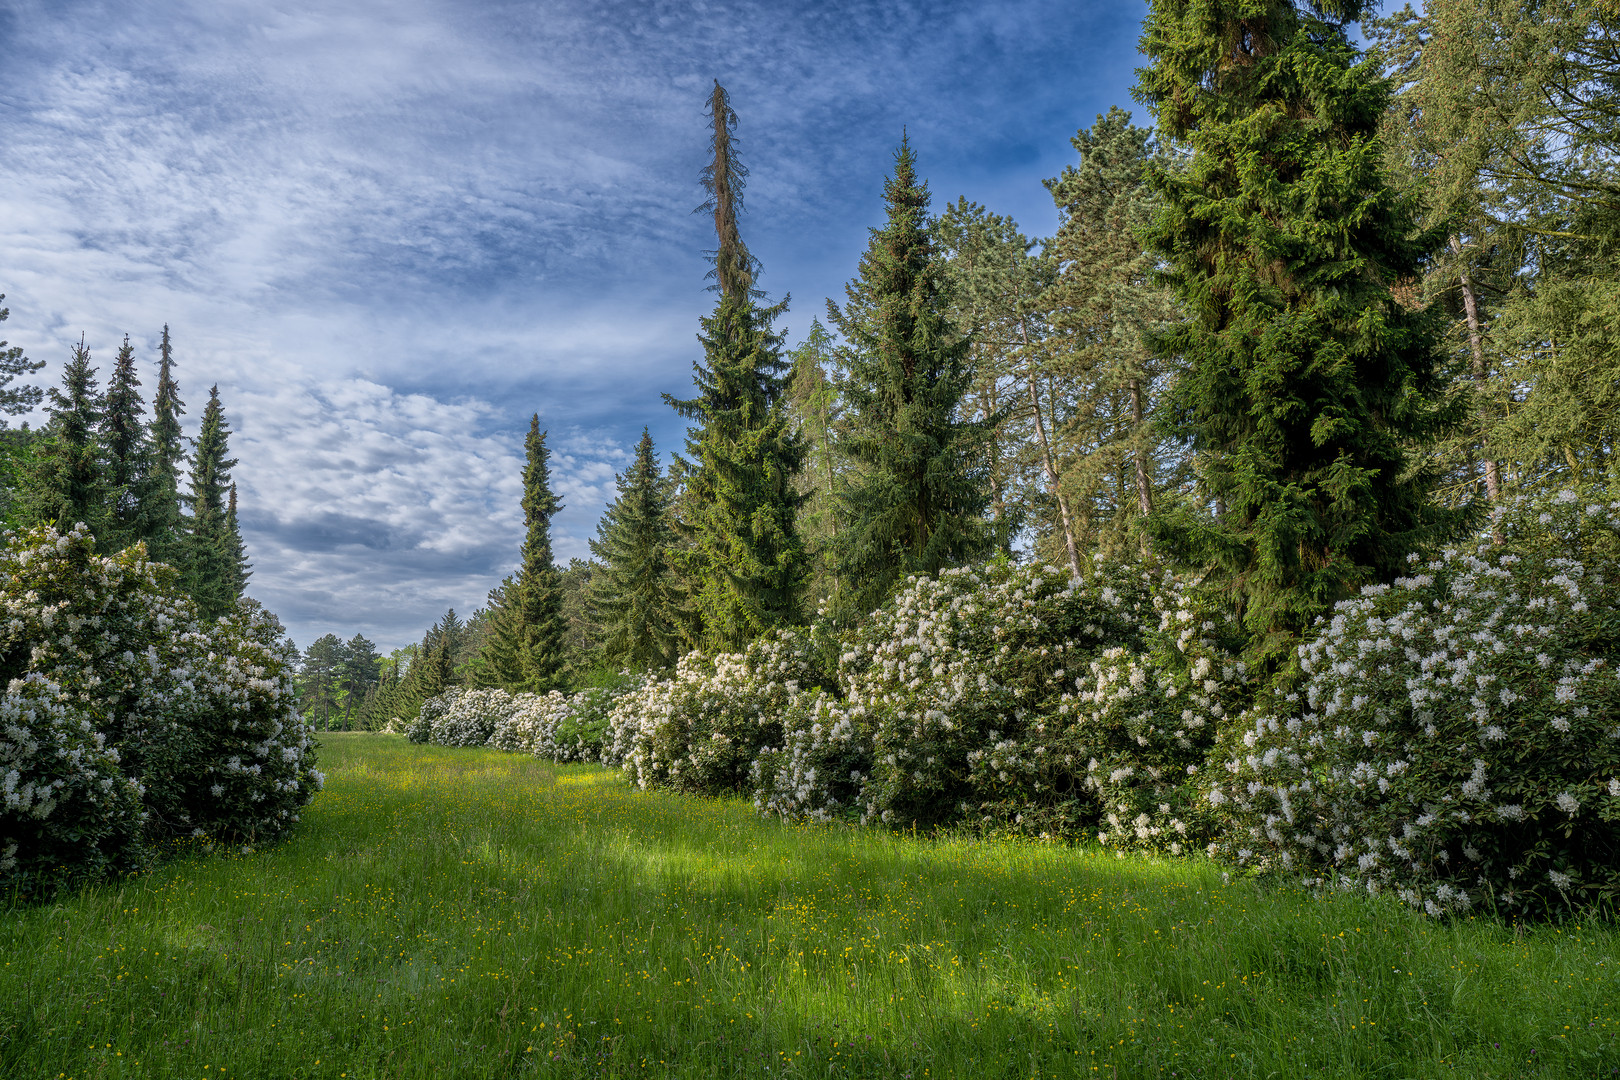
x=701 y=729
x=1454 y=737
x=128 y=720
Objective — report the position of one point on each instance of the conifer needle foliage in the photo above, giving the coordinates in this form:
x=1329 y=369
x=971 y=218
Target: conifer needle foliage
x=746 y=557
x=633 y=595
x=526 y=649
x=919 y=501
x=1307 y=385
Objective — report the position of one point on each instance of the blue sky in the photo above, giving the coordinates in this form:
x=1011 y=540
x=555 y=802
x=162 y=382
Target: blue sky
x=391 y=230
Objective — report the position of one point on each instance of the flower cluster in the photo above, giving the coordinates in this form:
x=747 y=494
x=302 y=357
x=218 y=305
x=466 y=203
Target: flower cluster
x=128 y=720
x=1454 y=736
x=701 y=729
x=554 y=726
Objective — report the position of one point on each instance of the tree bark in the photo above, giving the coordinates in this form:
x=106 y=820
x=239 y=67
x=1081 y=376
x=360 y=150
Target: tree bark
x=1047 y=461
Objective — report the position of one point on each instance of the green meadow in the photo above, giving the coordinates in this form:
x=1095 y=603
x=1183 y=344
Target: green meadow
x=465 y=913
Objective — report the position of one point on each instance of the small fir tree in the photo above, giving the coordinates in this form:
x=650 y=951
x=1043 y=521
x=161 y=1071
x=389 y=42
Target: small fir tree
x=165 y=530
x=66 y=485
x=632 y=595
x=212 y=567
x=527 y=647
x=918 y=503
x=124 y=445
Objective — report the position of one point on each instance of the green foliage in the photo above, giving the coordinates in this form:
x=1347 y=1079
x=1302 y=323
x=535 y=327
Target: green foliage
x=918 y=502
x=165 y=537
x=1306 y=384
x=66 y=486
x=527 y=647
x=632 y=595
x=1452 y=738
x=746 y=563
x=15 y=400
x=214 y=574
x=157 y=724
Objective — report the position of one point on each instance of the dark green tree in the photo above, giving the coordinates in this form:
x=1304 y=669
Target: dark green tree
x=318 y=680
x=66 y=485
x=240 y=568
x=127 y=460
x=1306 y=386
x=356 y=675
x=746 y=554
x=15 y=400
x=527 y=647
x=213 y=572
x=918 y=502
x=165 y=529
x=633 y=593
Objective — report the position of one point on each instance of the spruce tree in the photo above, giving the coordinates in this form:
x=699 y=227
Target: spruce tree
x=632 y=595
x=917 y=505
x=165 y=531
x=1307 y=386
x=211 y=560
x=527 y=647
x=744 y=453
x=125 y=448
x=66 y=485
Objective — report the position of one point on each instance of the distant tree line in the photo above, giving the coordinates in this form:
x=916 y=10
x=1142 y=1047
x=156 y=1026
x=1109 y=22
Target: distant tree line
x=129 y=478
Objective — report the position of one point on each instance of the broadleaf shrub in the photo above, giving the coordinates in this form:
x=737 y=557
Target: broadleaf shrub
x=146 y=722
x=1453 y=737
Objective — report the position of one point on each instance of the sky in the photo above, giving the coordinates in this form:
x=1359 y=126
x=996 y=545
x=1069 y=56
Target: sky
x=391 y=231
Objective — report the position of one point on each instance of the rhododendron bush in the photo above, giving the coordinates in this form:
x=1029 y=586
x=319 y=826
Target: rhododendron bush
x=127 y=721
x=1454 y=737
x=1002 y=695
x=554 y=726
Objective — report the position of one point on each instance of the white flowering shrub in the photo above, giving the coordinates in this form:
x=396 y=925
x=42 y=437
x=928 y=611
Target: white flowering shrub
x=110 y=675
x=463 y=717
x=1454 y=737
x=1020 y=699
x=701 y=729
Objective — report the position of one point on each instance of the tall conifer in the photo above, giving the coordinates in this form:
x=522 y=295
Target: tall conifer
x=212 y=567
x=1306 y=385
x=917 y=504
x=741 y=506
x=66 y=485
x=633 y=594
x=527 y=647
x=124 y=443
x=164 y=536
x=13 y=364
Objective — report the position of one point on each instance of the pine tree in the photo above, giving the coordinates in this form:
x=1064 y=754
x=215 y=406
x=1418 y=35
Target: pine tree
x=744 y=454
x=165 y=531
x=15 y=400
x=918 y=505
x=66 y=485
x=127 y=460
x=1306 y=385
x=527 y=647
x=211 y=562
x=633 y=593
x=1102 y=304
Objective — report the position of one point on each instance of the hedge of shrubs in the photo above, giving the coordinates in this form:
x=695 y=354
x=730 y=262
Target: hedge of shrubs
x=126 y=721
x=1452 y=738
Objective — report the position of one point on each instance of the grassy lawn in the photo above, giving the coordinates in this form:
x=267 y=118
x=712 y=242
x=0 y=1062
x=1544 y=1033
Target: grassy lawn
x=464 y=913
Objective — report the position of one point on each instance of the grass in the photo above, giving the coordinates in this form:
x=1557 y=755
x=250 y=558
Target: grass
x=463 y=913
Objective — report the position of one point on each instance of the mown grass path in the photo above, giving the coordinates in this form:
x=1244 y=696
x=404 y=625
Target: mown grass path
x=464 y=913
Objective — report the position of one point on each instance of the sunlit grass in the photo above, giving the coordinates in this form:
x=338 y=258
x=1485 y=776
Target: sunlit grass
x=465 y=913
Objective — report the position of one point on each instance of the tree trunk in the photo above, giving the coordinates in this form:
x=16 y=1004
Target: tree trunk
x=1047 y=461
x=1144 y=489
x=1476 y=347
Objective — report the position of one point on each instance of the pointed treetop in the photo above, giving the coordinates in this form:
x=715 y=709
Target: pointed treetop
x=723 y=178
